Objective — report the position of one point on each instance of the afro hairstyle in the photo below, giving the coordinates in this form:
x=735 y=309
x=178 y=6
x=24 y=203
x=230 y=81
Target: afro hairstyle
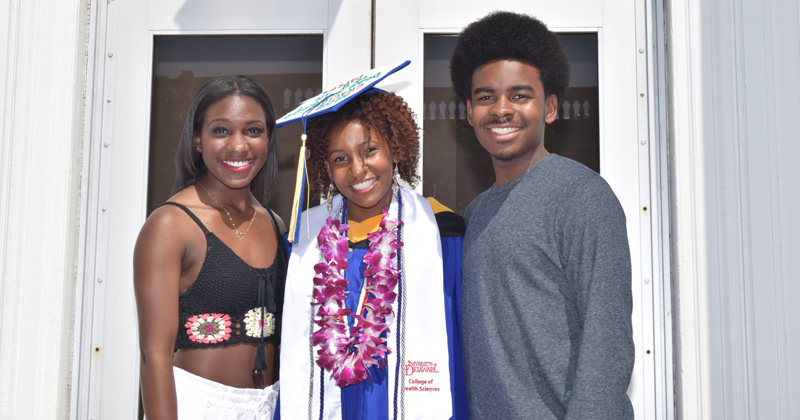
x=509 y=36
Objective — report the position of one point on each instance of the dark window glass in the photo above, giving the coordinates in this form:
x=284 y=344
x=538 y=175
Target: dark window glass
x=288 y=66
x=455 y=167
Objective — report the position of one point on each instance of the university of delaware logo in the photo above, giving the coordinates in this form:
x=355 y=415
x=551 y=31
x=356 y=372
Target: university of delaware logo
x=420 y=367
x=424 y=376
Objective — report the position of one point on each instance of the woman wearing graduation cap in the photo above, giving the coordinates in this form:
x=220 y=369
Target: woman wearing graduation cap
x=372 y=305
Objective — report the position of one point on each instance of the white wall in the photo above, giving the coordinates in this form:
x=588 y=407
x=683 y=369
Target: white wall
x=735 y=141
x=43 y=66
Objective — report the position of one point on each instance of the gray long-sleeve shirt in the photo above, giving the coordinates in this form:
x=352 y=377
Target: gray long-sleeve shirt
x=546 y=310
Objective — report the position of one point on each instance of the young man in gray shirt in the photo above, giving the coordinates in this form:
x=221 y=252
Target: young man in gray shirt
x=546 y=309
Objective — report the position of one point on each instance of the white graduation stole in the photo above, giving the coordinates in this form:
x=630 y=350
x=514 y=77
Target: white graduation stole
x=425 y=373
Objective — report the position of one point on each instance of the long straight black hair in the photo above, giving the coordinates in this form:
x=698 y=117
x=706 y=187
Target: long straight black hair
x=189 y=165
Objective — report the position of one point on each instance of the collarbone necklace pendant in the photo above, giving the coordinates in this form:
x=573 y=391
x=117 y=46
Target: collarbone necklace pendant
x=239 y=235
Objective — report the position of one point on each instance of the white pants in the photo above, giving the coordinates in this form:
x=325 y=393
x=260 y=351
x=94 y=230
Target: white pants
x=200 y=398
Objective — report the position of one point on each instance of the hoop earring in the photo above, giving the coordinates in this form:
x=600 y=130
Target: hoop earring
x=330 y=197
x=395 y=180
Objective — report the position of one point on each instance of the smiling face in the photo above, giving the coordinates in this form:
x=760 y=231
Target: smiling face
x=233 y=140
x=508 y=110
x=360 y=164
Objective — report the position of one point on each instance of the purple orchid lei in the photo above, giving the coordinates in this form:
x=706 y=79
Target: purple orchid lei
x=348 y=358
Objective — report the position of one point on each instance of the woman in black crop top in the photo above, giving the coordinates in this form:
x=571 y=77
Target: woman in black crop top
x=210 y=265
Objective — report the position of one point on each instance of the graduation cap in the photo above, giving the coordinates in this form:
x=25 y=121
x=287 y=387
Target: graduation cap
x=330 y=100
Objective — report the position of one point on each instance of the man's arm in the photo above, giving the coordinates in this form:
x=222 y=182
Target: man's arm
x=598 y=264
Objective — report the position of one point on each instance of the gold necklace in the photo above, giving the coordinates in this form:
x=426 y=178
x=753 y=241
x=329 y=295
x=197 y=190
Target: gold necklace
x=239 y=235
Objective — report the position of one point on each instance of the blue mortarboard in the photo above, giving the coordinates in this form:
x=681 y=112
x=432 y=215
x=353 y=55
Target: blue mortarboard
x=329 y=100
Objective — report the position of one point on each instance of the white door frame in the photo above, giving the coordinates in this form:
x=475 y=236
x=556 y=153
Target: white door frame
x=632 y=130
x=115 y=169
x=107 y=357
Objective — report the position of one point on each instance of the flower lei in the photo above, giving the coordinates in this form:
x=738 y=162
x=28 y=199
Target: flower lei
x=348 y=358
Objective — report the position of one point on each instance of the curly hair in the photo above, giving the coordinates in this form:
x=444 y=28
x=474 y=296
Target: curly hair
x=509 y=36
x=387 y=114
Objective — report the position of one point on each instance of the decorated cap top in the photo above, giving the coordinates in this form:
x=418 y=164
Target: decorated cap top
x=330 y=100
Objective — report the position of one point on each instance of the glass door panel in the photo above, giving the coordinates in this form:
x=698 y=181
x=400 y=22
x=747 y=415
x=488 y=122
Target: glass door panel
x=456 y=168
x=288 y=66
x=153 y=57
x=601 y=39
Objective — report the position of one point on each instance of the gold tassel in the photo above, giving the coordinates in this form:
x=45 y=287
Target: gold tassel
x=299 y=186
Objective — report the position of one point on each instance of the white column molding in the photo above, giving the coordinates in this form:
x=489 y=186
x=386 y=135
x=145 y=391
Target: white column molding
x=770 y=43
x=733 y=109
x=691 y=353
x=709 y=247
x=40 y=165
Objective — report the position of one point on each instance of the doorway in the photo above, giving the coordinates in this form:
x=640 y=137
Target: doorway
x=145 y=93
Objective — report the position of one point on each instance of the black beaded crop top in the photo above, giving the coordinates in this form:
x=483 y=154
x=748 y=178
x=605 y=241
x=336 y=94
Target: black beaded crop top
x=231 y=302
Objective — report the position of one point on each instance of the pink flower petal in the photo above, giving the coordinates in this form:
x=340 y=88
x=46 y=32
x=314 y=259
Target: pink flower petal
x=349 y=358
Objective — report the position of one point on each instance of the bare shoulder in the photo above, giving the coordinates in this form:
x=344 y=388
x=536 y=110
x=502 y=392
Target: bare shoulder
x=167 y=233
x=167 y=218
x=160 y=235
x=174 y=215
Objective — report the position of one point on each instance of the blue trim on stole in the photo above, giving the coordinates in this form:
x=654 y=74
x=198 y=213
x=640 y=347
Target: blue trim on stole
x=370 y=400
x=451 y=264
